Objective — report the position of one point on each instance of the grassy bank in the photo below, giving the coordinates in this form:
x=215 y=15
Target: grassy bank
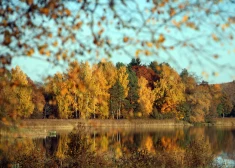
x=224 y=122
x=71 y=123
x=109 y=123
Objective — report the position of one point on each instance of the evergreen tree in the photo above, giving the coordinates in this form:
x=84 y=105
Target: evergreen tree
x=132 y=105
x=117 y=95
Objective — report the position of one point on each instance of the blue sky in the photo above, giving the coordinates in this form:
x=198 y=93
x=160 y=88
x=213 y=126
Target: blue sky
x=202 y=61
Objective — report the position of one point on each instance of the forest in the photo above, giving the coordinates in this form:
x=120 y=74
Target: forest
x=108 y=91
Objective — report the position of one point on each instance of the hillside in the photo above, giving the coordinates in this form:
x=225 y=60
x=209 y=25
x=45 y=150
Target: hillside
x=229 y=89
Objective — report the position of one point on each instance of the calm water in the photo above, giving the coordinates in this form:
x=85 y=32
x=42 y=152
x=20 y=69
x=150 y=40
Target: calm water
x=84 y=148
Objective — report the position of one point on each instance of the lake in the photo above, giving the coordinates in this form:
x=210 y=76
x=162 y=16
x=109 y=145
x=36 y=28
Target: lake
x=161 y=147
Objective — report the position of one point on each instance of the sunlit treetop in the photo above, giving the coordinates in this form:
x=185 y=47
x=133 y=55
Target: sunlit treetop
x=64 y=30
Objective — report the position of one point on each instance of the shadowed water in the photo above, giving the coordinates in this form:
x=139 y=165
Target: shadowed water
x=163 y=147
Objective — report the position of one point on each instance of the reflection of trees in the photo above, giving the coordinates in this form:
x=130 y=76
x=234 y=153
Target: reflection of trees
x=179 y=148
x=51 y=144
x=21 y=152
x=79 y=153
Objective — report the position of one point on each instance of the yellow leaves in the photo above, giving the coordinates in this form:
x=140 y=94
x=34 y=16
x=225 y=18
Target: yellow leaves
x=147 y=53
x=146 y=96
x=137 y=53
x=123 y=79
x=169 y=90
x=48 y=53
x=225 y=26
x=55 y=43
x=149 y=44
x=214 y=37
x=161 y=38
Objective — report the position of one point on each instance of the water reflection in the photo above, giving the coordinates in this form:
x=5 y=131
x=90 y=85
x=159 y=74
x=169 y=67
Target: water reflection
x=170 y=147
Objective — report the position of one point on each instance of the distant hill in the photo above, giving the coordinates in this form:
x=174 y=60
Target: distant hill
x=229 y=89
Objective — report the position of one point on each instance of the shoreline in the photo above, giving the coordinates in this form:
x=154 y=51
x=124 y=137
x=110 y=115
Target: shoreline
x=35 y=128
x=97 y=123
x=122 y=123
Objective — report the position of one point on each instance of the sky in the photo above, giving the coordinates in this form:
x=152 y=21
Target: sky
x=204 y=64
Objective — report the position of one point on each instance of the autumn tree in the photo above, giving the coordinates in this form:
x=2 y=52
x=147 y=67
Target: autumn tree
x=200 y=102
x=225 y=106
x=37 y=99
x=147 y=73
x=169 y=91
x=109 y=71
x=102 y=93
x=17 y=95
x=146 y=97
x=58 y=86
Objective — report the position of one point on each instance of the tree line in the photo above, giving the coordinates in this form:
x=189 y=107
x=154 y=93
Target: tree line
x=108 y=91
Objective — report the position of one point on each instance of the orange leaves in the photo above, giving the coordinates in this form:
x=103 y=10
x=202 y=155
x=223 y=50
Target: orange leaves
x=172 y=12
x=42 y=49
x=191 y=25
x=185 y=18
x=64 y=91
x=50 y=35
x=7 y=38
x=45 y=11
x=67 y=12
x=30 y=52
x=125 y=39
x=29 y=2
x=78 y=25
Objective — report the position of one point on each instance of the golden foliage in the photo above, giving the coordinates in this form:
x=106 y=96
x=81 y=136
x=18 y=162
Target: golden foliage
x=169 y=90
x=123 y=79
x=146 y=96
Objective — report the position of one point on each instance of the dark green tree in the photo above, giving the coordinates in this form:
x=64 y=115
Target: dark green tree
x=134 y=62
x=116 y=99
x=132 y=104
